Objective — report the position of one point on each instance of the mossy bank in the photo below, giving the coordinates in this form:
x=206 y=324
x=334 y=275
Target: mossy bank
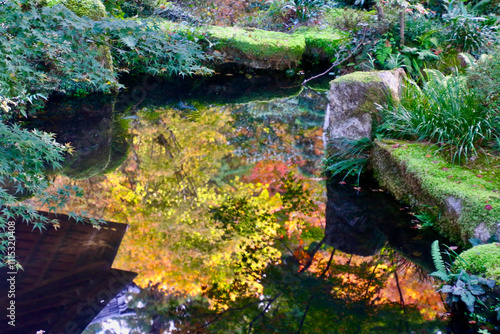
x=465 y=200
x=262 y=49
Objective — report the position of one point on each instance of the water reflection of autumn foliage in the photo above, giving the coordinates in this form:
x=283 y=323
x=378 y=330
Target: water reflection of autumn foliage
x=338 y=293
x=186 y=230
x=238 y=239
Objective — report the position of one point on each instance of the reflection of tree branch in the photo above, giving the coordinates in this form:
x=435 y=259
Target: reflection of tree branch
x=310 y=300
x=263 y=313
x=311 y=256
x=328 y=265
x=339 y=60
x=370 y=280
x=399 y=290
x=304 y=317
x=286 y=246
x=219 y=315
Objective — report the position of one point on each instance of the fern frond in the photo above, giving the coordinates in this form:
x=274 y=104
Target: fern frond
x=441 y=275
x=437 y=258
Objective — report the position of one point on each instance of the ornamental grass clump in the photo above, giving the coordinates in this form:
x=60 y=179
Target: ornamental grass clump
x=444 y=111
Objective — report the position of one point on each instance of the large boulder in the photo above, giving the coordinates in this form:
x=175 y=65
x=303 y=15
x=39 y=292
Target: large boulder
x=257 y=48
x=352 y=103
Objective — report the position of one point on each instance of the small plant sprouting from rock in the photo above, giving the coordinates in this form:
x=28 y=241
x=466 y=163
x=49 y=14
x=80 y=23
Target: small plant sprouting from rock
x=460 y=286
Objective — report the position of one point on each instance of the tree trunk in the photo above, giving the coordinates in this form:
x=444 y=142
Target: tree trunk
x=402 y=27
x=380 y=11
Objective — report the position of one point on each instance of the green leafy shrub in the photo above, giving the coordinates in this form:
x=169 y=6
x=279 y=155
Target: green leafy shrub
x=47 y=48
x=484 y=79
x=481 y=260
x=466 y=31
x=420 y=29
x=444 y=111
x=461 y=286
x=346 y=19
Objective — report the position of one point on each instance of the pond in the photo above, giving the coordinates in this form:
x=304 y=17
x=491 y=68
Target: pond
x=220 y=183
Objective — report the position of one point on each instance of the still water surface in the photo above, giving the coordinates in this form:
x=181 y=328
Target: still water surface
x=223 y=194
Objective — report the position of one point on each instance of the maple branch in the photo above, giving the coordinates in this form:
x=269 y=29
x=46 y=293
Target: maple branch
x=310 y=300
x=304 y=316
x=286 y=246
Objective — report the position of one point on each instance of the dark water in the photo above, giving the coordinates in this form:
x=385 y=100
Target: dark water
x=370 y=274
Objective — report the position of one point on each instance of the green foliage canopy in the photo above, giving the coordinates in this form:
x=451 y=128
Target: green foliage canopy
x=48 y=47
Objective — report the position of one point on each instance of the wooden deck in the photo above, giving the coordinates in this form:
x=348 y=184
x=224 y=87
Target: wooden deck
x=67 y=277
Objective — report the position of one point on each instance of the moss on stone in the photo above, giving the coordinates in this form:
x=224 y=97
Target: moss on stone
x=369 y=87
x=93 y=9
x=418 y=174
x=481 y=260
x=279 y=50
x=322 y=42
x=359 y=77
x=252 y=47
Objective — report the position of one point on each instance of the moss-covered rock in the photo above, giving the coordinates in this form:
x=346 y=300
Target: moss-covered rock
x=93 y=9
x=322 y=42
x=483 y=260
x=352 y=103
x=464 y=199
x=263 y=49
x=258 y=48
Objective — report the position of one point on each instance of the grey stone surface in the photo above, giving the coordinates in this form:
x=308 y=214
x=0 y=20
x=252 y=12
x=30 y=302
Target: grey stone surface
x=454 y=205
x=353 y=100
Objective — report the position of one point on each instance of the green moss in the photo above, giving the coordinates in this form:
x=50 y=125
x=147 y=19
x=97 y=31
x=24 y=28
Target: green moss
x=359 y=77
x=476 y=185
x=255 y=44
x=248 y=46
x=322 y=42
x=336 y=16
x=93 y=9
x=481 y=260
